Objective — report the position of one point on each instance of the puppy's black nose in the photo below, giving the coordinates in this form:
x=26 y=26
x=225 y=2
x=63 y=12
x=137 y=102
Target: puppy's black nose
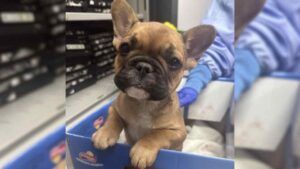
x=144 y=68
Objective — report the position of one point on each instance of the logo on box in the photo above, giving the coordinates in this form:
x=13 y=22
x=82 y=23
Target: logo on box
x=98 y=122
x=88 y=158
x=57 y=153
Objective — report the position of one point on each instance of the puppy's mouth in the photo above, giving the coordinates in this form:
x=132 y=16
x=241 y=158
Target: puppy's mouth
x=143 y=78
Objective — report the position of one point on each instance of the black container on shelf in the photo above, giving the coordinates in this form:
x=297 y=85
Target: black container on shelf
x=100 y=6
x=24 y=83
x=31 y=46
x=81 y=84
x=89 y=54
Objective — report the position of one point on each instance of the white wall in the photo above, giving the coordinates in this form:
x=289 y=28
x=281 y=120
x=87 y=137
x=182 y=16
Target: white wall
x=191 y=12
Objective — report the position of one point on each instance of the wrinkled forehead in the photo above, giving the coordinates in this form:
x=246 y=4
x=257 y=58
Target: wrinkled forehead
x=156 y=37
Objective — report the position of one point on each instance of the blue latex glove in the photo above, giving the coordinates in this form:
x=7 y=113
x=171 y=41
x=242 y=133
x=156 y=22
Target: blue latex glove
x=197 y=80
x=187 y=96
x=246 y=71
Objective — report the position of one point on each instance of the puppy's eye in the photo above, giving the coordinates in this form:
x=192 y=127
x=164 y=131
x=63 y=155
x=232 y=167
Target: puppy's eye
x=174 y=63
x=124 y=48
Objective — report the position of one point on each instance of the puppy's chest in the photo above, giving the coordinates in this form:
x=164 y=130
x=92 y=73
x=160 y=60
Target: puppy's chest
x=137 y=125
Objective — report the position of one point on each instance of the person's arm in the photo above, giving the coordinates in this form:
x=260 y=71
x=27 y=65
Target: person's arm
x=274 y=35
x=218 y=59
x=246 y=71
x=270 y=42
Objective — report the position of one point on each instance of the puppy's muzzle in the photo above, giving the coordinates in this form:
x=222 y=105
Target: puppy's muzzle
x=145 y=65
x=143 y=77
x=144 y=68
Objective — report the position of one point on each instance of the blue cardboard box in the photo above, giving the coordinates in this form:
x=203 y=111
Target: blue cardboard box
x=48 y=153
x=85 y=156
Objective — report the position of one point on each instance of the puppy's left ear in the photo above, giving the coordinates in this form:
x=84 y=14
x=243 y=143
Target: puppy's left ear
x=197 y=40
x=123 y=17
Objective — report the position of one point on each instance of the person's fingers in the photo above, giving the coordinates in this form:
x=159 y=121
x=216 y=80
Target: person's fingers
x=180 y=94
x=184 y=101
x=183 y=104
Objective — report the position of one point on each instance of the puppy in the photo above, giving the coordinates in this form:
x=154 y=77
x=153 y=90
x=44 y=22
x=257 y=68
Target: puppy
x=150 y=63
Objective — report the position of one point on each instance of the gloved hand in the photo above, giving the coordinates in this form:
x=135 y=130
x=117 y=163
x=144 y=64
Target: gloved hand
x=187 y=96
x=197 y=80
x=246 y=71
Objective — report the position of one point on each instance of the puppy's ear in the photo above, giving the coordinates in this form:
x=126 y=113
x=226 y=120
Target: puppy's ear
x=197 y=40
x=123 y=17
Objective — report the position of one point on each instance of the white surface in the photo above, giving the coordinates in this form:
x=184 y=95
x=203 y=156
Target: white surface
x=34 y=139
x=264 y=112
x=243 y=160
x=296 y=131
x=213 y=102
x=202 y=131
x=90 y=16
x=84 y=99
x=203 y=147
x=31 y=112
x=201 y=139
x=191 y=13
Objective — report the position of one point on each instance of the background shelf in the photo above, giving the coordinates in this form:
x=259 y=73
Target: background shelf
x=91 y=16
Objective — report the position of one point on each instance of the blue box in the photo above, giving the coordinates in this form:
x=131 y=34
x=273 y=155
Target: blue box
x=48 y=153
x=85 y=156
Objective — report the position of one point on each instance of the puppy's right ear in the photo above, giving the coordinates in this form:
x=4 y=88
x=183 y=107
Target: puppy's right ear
x=197 y=40
x=123 y=17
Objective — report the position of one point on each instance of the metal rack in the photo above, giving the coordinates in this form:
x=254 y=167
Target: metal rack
x=91 y=16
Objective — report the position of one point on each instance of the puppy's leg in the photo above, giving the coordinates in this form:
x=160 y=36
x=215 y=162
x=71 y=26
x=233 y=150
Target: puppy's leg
x=109 y=133
x=144 y=152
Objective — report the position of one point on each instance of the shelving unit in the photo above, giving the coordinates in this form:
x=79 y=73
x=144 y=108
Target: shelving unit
x=90 y=16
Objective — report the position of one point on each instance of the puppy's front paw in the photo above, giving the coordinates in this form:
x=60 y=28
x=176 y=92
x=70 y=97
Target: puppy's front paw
x=104 y=138
x=143 y=155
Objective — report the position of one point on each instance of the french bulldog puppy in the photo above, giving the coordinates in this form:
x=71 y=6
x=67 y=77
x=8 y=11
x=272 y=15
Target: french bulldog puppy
x=150 y=63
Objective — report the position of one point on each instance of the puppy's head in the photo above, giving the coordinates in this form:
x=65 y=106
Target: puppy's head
x=151 y=57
